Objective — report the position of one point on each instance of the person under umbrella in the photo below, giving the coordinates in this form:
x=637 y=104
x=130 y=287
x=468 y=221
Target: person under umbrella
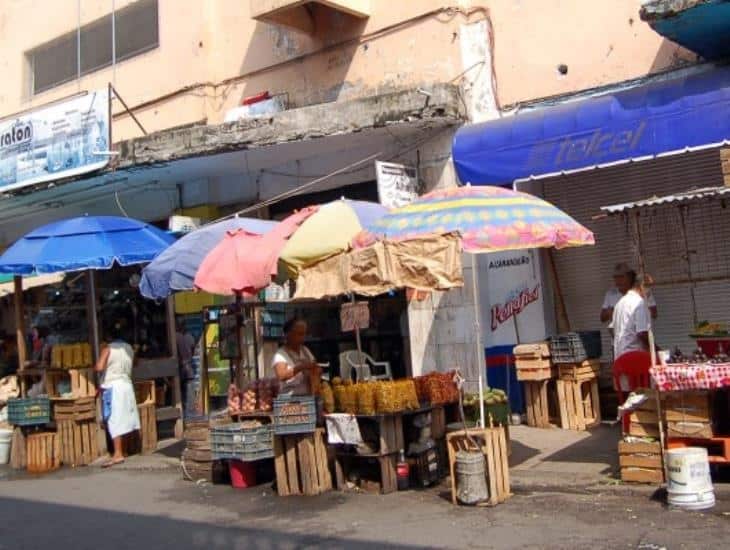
x=119 y=404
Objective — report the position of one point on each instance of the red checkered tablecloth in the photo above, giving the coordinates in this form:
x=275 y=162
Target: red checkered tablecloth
x=676 y=377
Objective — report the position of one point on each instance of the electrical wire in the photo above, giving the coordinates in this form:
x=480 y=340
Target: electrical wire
x=449 y=11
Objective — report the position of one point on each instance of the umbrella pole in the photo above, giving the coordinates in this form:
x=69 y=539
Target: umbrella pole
x=20 y=322
x=478 y=342
x=91 y=307
x=357 y=332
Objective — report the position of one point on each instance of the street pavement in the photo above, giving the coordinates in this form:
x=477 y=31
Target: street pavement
x=146 y=504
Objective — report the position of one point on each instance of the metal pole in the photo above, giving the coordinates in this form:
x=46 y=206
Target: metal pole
x=478 y=339
x=93 y=319
x=20 y=321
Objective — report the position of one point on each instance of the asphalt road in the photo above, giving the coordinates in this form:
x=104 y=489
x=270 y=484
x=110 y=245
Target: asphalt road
x=130 y=509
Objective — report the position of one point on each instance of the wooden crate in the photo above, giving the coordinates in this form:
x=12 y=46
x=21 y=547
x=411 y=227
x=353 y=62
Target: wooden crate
x=143 y=441
x=532 y=362
x=82 y=382
x=78 y=442
x=579 y=404
x=493 y=443
x=537 y=349
x=641 y=462
x=301 y=464
x=537 y=403
x=384 y=467
x=578 y=372
x=83 y=408
x=688 y=406
x=534 y=369
x=42 y=452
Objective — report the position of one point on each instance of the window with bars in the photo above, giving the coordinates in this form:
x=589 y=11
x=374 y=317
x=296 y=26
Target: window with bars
x=128 y=32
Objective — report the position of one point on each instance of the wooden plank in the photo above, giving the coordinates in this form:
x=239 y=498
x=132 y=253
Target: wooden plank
x=578 y=407
x=323 y=470
x=644 y=417
x=308 y=465
x=564 y=419
x=398 y=433
x=282 y=480
x=624 y=447
x=595 y=398
x=643 y=430
x=639 y=461
x=292 y=471
x=544 y=421
x=167 y=413
x=492 y=474
x=452 y=462
x=340 y=473
x=151 y=369
x=530 y=404
x=388 y=474
x=639 y=475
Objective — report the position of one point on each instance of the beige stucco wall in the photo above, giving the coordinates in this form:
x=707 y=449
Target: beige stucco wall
x=220 y=54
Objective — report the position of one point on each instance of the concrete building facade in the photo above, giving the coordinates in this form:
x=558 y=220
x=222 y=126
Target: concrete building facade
x=359 y=80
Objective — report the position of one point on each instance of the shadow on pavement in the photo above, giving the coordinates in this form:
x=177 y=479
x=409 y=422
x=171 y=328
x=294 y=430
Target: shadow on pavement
x=29 y=525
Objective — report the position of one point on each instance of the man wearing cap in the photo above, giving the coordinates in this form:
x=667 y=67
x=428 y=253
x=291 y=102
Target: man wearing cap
x=623 y=276
x=631 y=322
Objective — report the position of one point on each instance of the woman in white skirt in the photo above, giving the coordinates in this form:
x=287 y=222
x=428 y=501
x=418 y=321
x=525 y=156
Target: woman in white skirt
x=119 y=404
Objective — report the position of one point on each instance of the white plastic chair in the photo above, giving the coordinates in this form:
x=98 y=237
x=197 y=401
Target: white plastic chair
x=363 y=365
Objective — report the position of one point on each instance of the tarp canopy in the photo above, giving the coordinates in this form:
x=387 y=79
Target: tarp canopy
x=662 y=117
x=431 y=263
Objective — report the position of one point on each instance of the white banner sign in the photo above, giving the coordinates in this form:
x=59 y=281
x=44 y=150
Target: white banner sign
x=64 y=139
x=354 y=316
x=514 y=295
x=397 y=184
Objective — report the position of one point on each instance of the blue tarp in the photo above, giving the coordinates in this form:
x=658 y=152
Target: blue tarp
x=661 y=117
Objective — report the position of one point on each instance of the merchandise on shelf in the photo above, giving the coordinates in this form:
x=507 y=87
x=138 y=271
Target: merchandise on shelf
x=71 y=356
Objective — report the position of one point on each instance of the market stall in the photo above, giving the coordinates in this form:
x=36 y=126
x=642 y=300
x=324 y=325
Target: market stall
x=58 y=384
x=688 y=412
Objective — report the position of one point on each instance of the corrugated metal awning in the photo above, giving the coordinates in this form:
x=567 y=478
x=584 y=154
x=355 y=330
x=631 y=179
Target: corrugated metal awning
x=704 y=193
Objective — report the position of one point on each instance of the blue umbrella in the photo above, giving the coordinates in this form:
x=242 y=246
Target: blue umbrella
x=88 y=242
x=175 y=268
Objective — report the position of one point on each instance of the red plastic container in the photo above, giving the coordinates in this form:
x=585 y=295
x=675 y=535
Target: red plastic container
x=243 y=474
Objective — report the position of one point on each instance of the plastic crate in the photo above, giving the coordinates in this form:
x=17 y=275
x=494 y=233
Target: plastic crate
x=426 y=468
x=235 y=442
x=575 y=347
x=29 y=411
x=294 y=415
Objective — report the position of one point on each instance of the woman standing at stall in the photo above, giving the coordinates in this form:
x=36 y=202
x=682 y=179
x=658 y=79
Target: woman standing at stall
x=119 y=404
x=293 y=363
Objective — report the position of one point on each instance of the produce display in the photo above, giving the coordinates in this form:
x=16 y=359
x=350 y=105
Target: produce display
x=328 y=398
x=256 y=396
x=491 y=397
x=71 y=356
x=371 y=397
x=437 y=388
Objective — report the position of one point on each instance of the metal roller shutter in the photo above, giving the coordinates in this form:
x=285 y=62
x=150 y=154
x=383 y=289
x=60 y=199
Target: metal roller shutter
x=585 y=273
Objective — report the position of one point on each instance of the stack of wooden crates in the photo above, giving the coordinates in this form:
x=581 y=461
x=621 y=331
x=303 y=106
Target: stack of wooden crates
x=535 y=370
x=640 y=452
x=577 y=355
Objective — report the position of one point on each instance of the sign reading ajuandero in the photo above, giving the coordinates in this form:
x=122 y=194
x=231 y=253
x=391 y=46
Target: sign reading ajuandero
x=58 y=141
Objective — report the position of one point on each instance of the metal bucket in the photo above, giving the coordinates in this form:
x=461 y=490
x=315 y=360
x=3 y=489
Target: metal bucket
x=471 y=481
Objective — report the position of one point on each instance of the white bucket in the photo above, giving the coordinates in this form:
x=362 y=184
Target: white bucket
x=689 y=484
x=6 y=437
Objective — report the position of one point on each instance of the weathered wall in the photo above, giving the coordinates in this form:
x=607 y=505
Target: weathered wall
x=212 y=53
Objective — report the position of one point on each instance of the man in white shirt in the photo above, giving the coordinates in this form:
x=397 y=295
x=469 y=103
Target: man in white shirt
x=622 y=285
x=631 y=320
